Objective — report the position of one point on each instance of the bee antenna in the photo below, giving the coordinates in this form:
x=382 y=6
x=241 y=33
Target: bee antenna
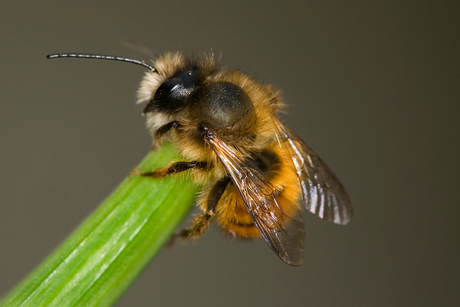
x=100 y=57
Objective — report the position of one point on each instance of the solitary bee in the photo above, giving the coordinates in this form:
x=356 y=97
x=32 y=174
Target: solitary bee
x=255 y=171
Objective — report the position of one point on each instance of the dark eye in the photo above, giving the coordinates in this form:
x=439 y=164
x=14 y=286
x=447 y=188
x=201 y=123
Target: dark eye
x=167 y=88
x=174 y=94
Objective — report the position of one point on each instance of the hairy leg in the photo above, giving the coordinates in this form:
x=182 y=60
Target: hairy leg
x=201 y=222
x=173 y=168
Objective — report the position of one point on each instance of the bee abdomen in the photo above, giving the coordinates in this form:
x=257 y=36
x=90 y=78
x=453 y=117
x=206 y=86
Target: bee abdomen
x=233 y=216
x=242 y=231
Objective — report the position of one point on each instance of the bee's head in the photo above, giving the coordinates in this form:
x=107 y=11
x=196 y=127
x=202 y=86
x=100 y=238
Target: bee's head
x=175 y=93
x=171 y=87
x=191 y=86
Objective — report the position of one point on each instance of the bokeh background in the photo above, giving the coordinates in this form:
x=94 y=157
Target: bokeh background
x=372 y=86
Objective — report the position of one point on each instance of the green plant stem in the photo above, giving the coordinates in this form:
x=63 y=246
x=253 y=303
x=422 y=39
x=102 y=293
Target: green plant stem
x=98 y=262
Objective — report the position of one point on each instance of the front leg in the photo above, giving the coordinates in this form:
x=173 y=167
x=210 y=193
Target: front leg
x=165 y=128
x=174 y=168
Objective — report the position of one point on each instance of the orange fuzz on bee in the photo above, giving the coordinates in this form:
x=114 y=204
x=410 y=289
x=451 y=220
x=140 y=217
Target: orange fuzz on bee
x=256 y=172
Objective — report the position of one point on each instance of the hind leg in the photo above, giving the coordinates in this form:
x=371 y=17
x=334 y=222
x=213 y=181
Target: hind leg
x=202 y=221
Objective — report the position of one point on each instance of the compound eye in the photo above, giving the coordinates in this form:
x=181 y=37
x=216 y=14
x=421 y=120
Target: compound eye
x=167 y=88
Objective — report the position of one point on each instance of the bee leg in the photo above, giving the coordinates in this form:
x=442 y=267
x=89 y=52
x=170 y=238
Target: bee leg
x=173 y=168
x=198 y=228
x=201 y=222
x=216 y=193
x=165 y=128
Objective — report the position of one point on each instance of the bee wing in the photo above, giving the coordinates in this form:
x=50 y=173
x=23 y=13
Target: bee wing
x=322 y=191
x=281 y=226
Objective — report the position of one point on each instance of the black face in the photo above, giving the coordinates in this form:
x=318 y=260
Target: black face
x=173 y=94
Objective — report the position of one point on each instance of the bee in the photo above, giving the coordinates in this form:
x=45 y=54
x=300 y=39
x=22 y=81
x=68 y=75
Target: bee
x=255 y=171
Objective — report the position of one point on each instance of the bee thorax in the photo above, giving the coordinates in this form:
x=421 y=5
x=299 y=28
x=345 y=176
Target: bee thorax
x=224 y=106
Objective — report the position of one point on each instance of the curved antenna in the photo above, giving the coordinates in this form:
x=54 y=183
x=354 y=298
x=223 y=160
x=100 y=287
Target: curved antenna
x=100 y=57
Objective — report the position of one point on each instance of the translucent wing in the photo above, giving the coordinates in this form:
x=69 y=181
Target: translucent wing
x=322 y=191
x=277 y=218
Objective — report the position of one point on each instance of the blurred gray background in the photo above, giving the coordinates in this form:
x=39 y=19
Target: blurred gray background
x=372 y=86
